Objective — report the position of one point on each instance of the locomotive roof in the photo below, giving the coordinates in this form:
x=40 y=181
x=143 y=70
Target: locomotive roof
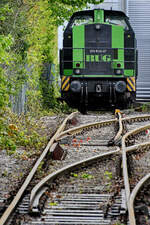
x=108 y=12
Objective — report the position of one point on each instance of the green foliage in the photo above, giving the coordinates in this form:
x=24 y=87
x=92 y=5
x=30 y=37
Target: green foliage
x=5 y=43
x=33 y=28
x=74 y=174
x=108 y=178
x=28 y=39
x=53 y=203
x=145 y=107
x=48 y=94
x=8 y=54
x=6 y=142
x=63 y=108
x=42 y=35
x=5 y=173
x=20 y=131
x=4 y=12
x=86 y=176
x=108 y=175
x=15 y=23
x=63 y=9
x=44 y=17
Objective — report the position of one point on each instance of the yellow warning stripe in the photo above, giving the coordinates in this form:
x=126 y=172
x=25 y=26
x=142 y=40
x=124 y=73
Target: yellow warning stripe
x=131 y=84
x=67 y=87
x=63 y=78
x=65 y=83
x=129 y=88
x=133 y=79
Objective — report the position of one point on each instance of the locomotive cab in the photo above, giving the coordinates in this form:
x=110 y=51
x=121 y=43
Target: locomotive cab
x=98 y=60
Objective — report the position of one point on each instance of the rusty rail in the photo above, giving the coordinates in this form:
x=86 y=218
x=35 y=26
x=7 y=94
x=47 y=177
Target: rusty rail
x=125 y=170
x=16 y=199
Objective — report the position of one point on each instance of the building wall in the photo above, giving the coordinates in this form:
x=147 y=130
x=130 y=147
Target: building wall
x=138 y=11
x=112 y=4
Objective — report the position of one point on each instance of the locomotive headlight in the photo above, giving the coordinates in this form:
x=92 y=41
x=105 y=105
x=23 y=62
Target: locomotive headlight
x=118 y=71
x=120 y=87
x=98 y=26
x=77 y=71
x=75 y=86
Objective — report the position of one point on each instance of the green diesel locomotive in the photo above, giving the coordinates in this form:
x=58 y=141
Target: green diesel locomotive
x=98 y=62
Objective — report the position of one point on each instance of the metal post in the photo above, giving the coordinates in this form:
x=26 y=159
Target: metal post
x=123 y=5
x=126 y=2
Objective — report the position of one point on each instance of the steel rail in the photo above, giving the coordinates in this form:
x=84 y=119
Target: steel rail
x=19 y=194
x=79 y=129
x=125 y=170
x=127 y=119
x=137 y=130
x=137 y=147
x=132 y=198
x=120 y=128
x=124 y=160
x=136 y=118
x=34 y=198
x=138 y=186
x=35 y=191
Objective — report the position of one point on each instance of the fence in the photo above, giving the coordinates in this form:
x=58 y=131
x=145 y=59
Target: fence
x=20 y=101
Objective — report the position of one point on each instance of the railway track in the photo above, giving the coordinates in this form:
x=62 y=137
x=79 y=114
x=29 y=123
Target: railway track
x=89 y=186
x=19 y=194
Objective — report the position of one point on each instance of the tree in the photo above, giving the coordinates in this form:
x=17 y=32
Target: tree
x=5 y=43
x=63 y=9
x=30 y=28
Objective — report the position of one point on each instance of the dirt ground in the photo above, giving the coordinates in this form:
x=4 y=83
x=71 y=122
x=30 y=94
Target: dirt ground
x=13 y=167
